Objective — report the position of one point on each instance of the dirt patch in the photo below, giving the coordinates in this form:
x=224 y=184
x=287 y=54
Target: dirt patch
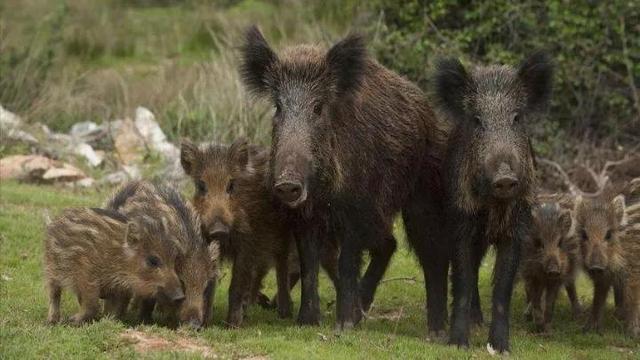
x=144 y=343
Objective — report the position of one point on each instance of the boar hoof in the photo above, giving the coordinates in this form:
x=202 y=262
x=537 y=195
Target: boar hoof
x=311 y=318
x=577 y=313
x=78 y=320
x=592 y=326
x=459 y=340
x=499 y=345
x=285 y=312
x=344 y=325
x=438 y=335
x=264 y=301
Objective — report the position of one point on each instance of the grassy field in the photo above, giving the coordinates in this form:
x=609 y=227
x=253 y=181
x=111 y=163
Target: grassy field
x=395 y=327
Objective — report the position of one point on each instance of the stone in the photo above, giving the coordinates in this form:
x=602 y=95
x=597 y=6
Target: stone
x=85 y=150
x=129 y=145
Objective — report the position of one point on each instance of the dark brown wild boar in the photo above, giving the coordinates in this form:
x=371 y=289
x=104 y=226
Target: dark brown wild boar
x=631 y=281
x=550 y=259
x=197 y=261
x=100 y=253
x=353 y=144
x=491 y=166
x=599 y=224
x=239 y=212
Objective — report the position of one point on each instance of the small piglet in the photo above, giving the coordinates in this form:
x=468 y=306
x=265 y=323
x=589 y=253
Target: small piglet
x=98 y=253
x=550 y=259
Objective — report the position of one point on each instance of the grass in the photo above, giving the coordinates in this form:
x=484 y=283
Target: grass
x=395 y=329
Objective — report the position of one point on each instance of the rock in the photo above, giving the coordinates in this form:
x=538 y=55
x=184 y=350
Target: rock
x=130 y=146
x=64 y=173
x=38 y=168
x=153 y=135
x=12 y=128
x=88 y=132
x=83 y=128
x=8 y=120
x=85 y=150
x=127 y=173
x=85 y=183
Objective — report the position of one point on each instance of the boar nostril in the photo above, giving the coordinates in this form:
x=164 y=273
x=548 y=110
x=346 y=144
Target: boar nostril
x=505 y=185
x=553 y=270
x=178 y=295
x=596 y=269
x=219 y=231
x=288 y=191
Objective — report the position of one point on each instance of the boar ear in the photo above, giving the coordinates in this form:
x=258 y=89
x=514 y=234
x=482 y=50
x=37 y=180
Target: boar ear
x=346 y=61
x=536 y=73
x=131 y=234
x=565 y=222
x=189 y=156
x=239 y=153
x=257 y=58
x=452 y=82
x=618 y=209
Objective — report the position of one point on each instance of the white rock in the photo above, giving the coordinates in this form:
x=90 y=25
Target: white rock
x=85 y=183
x=8 y=120
x=83 y=128
x=85 y=150
x=64 y=173
x=153 y=135
x=129 y=145
x=115 y=178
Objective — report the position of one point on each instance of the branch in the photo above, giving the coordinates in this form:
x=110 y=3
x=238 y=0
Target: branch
x=573 y=189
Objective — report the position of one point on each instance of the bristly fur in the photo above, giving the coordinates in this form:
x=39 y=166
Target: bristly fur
x=257 y=58
x=536 y=73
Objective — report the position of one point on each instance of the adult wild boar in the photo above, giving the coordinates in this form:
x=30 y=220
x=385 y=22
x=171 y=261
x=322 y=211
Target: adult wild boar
x=352 y=144
x=491 y=166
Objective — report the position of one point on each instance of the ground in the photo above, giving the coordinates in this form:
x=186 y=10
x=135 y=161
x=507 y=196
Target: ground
x=395 y=327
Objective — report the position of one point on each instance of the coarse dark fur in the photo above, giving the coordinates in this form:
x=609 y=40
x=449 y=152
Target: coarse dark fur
x=550 y=259
x=490 y=165
x=197 y=261
x=600 y=221
x=353 y=144
x=631 y=280
x=239 y=212
x=98 y=253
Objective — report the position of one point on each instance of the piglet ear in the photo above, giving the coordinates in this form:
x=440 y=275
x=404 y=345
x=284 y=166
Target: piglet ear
x=189 y=156
x=239 y=153
x=257 y=59
x=131 y=234
x=452 y=83
x=618 y=209
x=346 y=60
x=536 y=74
x=565 y=222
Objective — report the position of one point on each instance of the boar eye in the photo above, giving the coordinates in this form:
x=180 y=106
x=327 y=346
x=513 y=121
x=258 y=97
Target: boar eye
x=201 y=187
x=318 y=109
x=278 y=107
x=230 y=186
x=584 y=236
x=153 y=261
x=477 y=121
x=608 y=235
x=516 y=118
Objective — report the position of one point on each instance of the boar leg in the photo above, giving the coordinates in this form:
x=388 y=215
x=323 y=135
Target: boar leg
x=309 y=242
x=464 y=231
x=209 y=295
x=600 y=292
x=145 y=313
x=89 y=299
x=434 y=253
x=506 y=268
x=55 y=292
x=285 y=307
x=572 y=294
x=116 y=305
x=329 y=262
x=551 y=295
x=380 y=258
x=257 y=297
x=632 y=302
x=239 y=289
x=618 y=299
x=476 y=310
x=535 y=291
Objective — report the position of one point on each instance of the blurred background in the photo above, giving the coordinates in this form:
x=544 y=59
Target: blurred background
x=68 y=61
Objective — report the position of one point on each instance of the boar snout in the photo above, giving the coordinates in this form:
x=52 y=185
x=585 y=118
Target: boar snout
x=505 y=182
x=553 y=268
x=195 y=324
x=290 y=192
x=218 y=230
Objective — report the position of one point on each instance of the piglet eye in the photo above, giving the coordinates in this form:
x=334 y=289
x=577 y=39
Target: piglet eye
x=201 y=187
x=318 y=109
x=230 y=186
x=608 y=235
x=584 y=236
x=153 y=261
x=477 y=121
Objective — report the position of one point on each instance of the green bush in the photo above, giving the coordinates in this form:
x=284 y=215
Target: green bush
x=595 y=45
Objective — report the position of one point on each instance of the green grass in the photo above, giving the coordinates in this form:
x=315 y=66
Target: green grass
x=23 y=306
